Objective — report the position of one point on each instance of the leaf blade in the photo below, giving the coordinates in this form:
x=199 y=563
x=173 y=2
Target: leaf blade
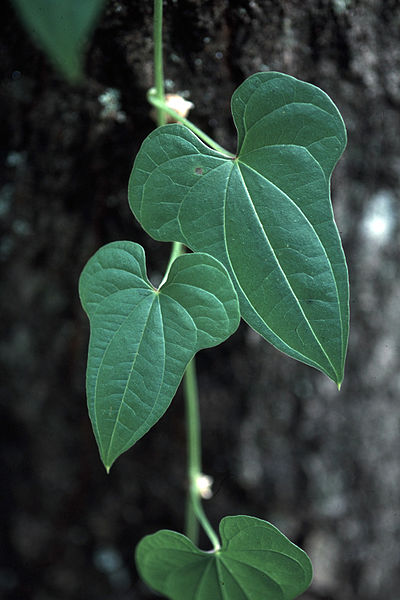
x=142 y=339
x=274 y=97
x=255 y=562
x=276 y=189
x=156 y=169
x=217 y=315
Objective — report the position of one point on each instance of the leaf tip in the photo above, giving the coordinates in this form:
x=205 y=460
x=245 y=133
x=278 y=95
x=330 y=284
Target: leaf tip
x=339 y=381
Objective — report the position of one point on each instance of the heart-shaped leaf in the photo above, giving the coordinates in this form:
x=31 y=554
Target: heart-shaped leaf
x=142 y=339
x=61 y=28
x=256 y=562
x=266 y=214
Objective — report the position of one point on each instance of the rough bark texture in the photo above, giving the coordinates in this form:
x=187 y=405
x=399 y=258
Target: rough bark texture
x=279 y=440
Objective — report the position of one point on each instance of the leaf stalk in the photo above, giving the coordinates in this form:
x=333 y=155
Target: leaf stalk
x=177 y=250
x=159 y=102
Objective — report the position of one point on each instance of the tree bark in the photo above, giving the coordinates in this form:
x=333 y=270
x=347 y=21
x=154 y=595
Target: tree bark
x=279 y=440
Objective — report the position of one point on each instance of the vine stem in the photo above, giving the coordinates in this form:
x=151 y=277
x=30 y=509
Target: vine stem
x=194 y=510
x=158 y=60
x=159 y=96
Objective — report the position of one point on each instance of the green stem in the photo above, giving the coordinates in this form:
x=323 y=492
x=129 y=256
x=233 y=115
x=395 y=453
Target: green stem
x=155 y=99
x=194 y=513
x=158 y=92
x=194 y=510
x=193 y=448
x=158 y=60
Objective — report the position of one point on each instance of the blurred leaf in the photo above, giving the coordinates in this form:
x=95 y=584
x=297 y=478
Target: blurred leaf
x=61 y=28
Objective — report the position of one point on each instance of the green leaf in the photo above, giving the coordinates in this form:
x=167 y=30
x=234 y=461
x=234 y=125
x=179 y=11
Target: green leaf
x=256 y=562
x=61 y=29
x=142 y=339
x=266 y=214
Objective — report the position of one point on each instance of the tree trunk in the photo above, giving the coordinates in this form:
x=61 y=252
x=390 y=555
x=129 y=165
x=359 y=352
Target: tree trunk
x=279 y=440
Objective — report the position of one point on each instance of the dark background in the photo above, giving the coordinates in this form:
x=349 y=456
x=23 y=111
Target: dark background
x=280 y=441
